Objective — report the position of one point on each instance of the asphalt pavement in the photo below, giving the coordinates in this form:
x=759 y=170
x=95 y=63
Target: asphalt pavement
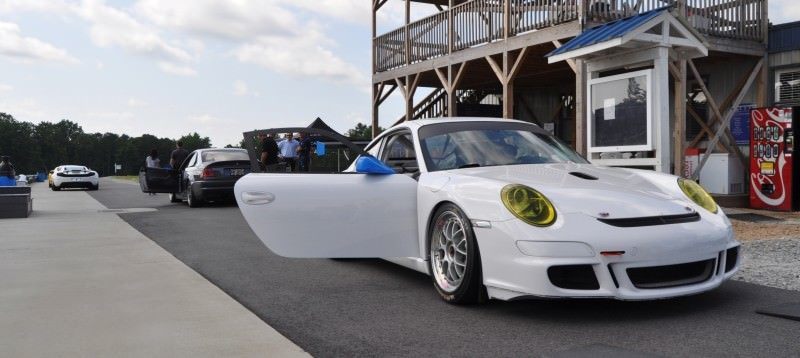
x=374 y=308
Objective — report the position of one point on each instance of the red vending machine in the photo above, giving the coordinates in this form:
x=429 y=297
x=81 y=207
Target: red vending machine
x=774 y=167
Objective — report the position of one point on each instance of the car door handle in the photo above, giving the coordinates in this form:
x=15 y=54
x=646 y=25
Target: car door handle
x=257 y=197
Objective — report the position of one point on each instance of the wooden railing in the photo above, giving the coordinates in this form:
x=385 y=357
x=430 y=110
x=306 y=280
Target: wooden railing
x=433 y=105
x=479 y=22
x=738 y=19
x=528 y=15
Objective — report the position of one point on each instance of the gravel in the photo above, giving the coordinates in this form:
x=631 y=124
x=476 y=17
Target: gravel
x=774 y=263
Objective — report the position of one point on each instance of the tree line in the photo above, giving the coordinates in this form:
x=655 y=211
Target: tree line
x=44 y=146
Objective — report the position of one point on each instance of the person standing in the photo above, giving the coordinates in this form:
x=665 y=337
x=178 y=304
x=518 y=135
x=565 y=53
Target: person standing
x=304 y=152
x=288 y=150
x=269 y=152
x=178 y=155
x=152 y=160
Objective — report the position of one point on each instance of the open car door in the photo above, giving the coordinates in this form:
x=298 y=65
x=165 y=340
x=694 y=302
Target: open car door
x=342 y=215
x=159 y=180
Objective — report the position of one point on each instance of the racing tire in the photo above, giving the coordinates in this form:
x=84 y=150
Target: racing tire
x=94 y=187
x=173 y=198
x=192 y=200
x=55 y=188
x=454 y=259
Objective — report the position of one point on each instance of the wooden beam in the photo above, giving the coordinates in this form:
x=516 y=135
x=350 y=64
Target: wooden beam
x=716 y=109
x=496 y=68
x=704 y=128
x=680 y=116
x=581 y=96
x=386 y=95
x=443 y=79
x=510 y=74
x=571 y=61
x=726 y=120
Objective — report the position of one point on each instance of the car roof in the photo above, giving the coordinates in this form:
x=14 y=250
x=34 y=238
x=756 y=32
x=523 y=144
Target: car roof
x=422 y=122
x=222 y=149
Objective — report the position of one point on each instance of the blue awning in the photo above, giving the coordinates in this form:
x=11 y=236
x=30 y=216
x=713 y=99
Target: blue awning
x=608 y=31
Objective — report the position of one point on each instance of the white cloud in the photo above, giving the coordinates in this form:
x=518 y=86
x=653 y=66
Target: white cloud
x=781 y=11
x=226 y=19
x=300 y=56
x=25 y=110
x=18 y=47
x=176 y=69
x=267 y=33
x=114 y=27
x=203 y=119
x=135 y=102
x=53 y=6
x=100 y=65
x=355 y=11
x=240 y=88
x=5 y=88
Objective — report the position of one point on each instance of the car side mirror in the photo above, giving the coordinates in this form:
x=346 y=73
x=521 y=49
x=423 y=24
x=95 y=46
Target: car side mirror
x=371 y=165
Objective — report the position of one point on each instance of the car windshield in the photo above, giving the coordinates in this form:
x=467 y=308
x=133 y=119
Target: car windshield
x=74 y=168
x=480 y=144
x=224 y=155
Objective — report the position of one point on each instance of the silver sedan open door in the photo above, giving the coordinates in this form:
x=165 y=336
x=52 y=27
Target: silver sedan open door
x=330 y=215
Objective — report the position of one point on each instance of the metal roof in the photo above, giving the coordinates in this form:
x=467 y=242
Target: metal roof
x=607 y=31
x=784 y=37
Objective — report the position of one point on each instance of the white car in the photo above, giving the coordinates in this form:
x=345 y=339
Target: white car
x=500 y=209
x=74 y=176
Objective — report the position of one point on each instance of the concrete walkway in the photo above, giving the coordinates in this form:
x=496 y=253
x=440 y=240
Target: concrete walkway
x=78 y=281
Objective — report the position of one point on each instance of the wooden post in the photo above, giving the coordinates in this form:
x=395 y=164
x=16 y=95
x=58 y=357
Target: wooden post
x=506 y=19
x=450 y=27
x=506 y=74
x=661 y=109
x=761 y=84
x=508 y=89
x=407 y=34
x=680 y=118
x=581 y=96
x=376 y=96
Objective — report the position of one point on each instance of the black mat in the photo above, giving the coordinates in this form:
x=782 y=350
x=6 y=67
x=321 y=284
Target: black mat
x=787 y=310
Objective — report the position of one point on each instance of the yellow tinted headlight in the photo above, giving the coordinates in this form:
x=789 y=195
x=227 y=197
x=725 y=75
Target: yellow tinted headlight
x=699 y=195
x=528 y=205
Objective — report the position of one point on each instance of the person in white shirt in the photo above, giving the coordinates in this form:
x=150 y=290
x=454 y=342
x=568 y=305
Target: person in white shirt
x=288 y=150
x=152 y=160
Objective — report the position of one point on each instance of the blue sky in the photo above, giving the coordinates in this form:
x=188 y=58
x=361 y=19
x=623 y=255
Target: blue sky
x=216 y=67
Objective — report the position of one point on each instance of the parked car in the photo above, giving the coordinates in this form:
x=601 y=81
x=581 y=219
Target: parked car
x=500 y=209
x=206 y=175
x=73 y=176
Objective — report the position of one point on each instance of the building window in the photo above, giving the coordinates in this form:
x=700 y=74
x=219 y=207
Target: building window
x=787 y=85
x=620 y=117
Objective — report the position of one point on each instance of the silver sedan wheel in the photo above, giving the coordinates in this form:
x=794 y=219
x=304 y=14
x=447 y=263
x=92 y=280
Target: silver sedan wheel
x=449 y=251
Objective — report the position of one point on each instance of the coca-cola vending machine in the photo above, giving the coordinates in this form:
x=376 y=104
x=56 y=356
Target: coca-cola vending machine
x=774 y=164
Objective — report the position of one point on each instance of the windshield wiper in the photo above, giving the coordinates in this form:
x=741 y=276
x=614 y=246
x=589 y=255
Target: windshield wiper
x=472 y=165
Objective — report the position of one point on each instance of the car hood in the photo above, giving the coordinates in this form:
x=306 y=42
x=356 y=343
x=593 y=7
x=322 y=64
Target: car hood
x=601 y=192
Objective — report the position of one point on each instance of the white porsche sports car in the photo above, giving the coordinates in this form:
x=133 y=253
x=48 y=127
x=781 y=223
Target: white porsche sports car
x=74 y=176
x=499 y=209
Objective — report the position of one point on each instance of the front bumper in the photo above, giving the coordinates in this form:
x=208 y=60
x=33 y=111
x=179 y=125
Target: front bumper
x=75 y=182
x=516 y=258
x=213 y=189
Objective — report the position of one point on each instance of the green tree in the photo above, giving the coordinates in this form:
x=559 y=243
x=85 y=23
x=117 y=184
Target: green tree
x=194 y=141
x=361 y=131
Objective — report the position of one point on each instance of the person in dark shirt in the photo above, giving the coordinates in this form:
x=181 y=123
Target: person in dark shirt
x=178 y=155
x=304 y=152
x=269 y=151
